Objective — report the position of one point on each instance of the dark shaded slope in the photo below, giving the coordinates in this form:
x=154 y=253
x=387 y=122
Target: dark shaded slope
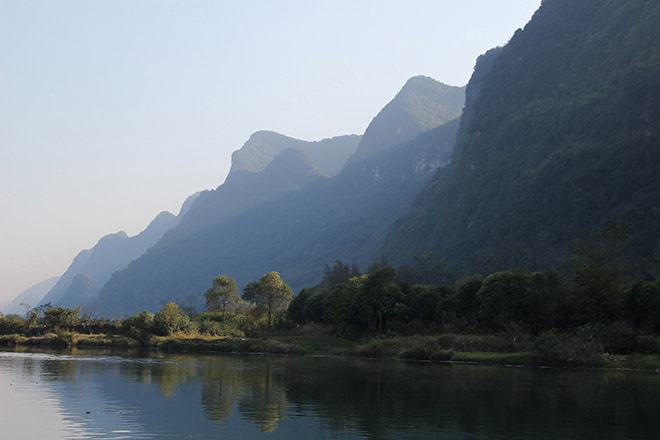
x=561 y=138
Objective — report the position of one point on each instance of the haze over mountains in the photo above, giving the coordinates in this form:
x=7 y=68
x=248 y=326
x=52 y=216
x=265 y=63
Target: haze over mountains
x=30 y=297
x=559 y=137
x=288 y=216
x=91 y=268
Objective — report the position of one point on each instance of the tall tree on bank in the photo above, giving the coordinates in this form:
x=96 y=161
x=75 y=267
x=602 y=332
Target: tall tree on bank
x=598 y=272
x=270 y=293
x=222 y=295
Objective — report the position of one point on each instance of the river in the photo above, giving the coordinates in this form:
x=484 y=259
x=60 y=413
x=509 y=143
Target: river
x=121 y=395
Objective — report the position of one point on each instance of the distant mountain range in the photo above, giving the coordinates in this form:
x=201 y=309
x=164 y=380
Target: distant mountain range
x=287 y=216
x=268 y=165
x=555 y=136
x=29 y=298
x=91 y=268
x=328 y=155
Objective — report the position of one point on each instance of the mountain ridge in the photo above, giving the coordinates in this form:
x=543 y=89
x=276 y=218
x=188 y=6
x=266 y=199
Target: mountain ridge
x=422 y=104
x=293 y=231
x=92 y=268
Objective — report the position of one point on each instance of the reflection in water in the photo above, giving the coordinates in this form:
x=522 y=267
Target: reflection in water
x=230 y=382
x=282 y=397
x=43 y=397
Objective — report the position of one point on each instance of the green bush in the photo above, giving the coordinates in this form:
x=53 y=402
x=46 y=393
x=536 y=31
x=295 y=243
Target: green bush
x=12 y=324
x=170 y=319
x=579 y=349
x=226 y=329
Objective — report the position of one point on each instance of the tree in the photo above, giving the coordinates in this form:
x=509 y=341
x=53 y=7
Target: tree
x=170 y=319
x=511 y=297
x=503 y=298
x=59 y=317
x=222 y=295
x=466 y=296
x=379 y=295
x=34 y=314
x=643 y=305
x=296 y=309
x=270 y=293
x=139 y=326
x=12 y=324
x=597 y=274
x=339 y=273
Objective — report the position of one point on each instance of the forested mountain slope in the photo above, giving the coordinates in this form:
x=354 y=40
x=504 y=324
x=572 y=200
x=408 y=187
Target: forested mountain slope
x=560 y=137
x=294 y=230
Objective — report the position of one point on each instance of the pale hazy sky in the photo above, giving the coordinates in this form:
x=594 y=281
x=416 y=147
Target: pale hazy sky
x=112 y=111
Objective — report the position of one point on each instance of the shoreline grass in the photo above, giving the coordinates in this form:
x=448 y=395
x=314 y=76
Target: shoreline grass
x=477 y=349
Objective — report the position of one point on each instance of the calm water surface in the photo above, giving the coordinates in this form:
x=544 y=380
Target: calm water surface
x=117 y=395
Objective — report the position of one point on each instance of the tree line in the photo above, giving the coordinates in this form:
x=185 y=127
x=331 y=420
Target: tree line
x=601 y=297
x=262 y=304
x=598 y=302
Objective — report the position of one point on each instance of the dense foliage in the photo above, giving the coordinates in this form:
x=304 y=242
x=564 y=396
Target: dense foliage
x=570 y=318
x=603 y=310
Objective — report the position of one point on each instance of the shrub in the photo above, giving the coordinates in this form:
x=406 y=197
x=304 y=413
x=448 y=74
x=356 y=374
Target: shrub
x=580 y=349
x=170 y=319
x=12 y=324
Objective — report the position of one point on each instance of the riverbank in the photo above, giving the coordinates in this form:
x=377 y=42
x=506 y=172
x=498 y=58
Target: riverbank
x=482 y=349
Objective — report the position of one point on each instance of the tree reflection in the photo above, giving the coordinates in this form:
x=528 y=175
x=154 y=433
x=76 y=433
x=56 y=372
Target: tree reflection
x=221 y=386
x=230 y=382
x=264 y=400
x=375 y=399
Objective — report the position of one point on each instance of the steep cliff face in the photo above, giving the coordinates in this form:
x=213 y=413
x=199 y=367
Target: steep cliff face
x=559 y=138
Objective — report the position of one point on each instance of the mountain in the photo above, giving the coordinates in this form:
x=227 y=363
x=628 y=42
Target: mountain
x=288 y=171
x=91 y=268
x=329 y=155
x=31 y=297
x=422 y=104
x=560 y=137
x=81 y=291
x=287 y=217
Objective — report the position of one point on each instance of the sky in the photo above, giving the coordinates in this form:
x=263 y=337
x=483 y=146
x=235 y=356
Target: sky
x=112 y=111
